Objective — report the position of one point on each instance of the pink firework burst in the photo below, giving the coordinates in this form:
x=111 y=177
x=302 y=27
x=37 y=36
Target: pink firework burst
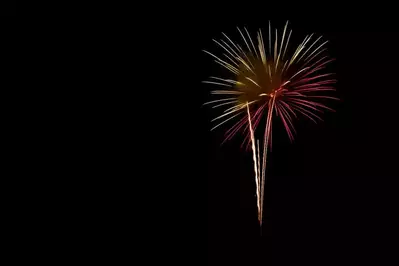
x=266 y=81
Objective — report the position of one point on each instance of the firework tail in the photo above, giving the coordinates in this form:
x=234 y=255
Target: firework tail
x=265 y=149
x=254 y=158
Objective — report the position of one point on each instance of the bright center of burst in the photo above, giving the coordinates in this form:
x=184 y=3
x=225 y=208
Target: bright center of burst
x=257 y=81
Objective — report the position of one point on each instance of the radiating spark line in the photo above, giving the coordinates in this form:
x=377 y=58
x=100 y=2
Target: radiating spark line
x=245 y=54
x=221 y=92
x=286 y=44
x=221 y=60
x=228 y=68
x=300 y=48
x=288 y=107
x=318 y=65
x=314 y=104
x=218 y=125
x=285 y=83
x=253 y=81
x=246 y=65
x=303 y=79
x=297 y=73
x=307 y=61
x=239 y=107
x=304 y=103
x=305 y=112
x=310 y=47
x=282 y=108
x=231 y=51
x=226 y=80
x=231 y=108
x=258 y=115
x=316 y=84
x=250 y=39
x=281 y=45
x=229 y=113
x=317 y=49
x=317 y=89
x=321 y=96
x=270 y=40
x=242 y=35
x=287 y=128
x=275 y=49
x=262 y=46
x=221 y=100
x=235 y=128
x=222 y=104
x=216 y=83
x=232 y=60
x=238 y=50
x=227 y=50
x=284 y=67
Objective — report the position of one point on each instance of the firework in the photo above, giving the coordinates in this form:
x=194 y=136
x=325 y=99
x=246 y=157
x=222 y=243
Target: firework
x=266 y=80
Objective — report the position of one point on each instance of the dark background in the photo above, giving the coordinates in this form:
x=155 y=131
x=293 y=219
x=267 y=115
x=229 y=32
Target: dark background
x=331 y=196
x=7 y=8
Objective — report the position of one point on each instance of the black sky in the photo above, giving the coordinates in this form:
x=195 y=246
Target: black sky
x=7 y=8
x=331 y=195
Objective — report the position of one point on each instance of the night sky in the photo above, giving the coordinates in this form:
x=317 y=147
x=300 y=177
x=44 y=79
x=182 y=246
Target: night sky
x=331 y=196
x=7 y=8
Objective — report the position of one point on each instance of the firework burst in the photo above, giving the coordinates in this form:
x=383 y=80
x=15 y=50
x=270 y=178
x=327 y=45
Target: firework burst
x=266 y=80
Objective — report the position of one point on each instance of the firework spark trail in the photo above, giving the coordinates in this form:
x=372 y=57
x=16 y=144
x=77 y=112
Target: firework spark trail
x=268 y=79
x=265 y=146
x=254 y=157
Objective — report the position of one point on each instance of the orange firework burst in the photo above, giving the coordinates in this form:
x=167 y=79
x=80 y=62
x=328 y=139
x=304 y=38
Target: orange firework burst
x=266 y=81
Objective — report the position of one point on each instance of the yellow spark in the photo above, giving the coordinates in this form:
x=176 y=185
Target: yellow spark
x=298 y=72
x=262 y=48
x=253 y=46
x=300 y=48
x=231 y=42
x=270 y=40
x=225 y=92
x=281 y=45
x=310 y=47
x=225 y=80
x=253 y=81
x=242 y=35
x=225 y=121
x=316 y=49
x=223 y=104
x=221 y=100
x=286 y=44
x=232 y=69
x=245 y=54
x=227 y=50
x=275 y=47
x=216 y=83
x=227 y=64
x=238 y=108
